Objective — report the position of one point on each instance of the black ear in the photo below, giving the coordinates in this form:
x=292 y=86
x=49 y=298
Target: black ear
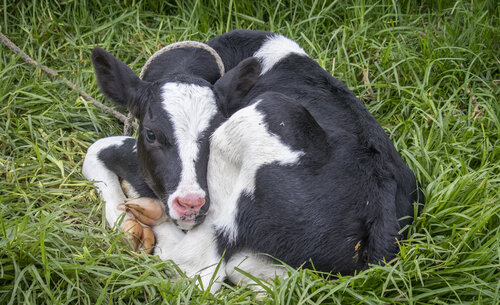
x=115 y=79
x=231 y=88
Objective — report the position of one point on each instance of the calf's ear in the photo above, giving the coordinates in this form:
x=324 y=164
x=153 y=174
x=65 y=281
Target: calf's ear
x=231 y=88
x=115 y=79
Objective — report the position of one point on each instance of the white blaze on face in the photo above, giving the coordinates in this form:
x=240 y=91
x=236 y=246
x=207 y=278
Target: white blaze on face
x=191 y=108
x=275 y=49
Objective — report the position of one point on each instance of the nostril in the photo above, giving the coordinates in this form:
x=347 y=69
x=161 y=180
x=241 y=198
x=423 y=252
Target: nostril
x=189 y=202
x=178 y=205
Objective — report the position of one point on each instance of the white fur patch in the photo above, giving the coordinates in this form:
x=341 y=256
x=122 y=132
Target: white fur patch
x=258 y=265
x=238 y=148
x=195 y=251
x=107 y=183
x=275 y=48
x=191 y=108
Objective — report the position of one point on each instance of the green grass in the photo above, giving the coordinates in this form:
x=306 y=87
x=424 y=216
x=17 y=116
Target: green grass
x=429 y=72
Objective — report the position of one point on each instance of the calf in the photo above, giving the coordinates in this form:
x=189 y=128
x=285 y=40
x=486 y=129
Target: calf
x=302 y=171
x=298 y=168
x=177 y=111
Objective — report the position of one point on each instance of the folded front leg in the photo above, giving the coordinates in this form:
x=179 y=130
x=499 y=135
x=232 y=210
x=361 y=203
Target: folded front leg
x=112 y=163
x=112 y=159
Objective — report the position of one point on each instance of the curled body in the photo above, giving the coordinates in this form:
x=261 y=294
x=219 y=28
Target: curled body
x=274 y=157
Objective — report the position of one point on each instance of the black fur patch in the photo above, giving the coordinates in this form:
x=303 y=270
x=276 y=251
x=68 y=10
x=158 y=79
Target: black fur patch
x=341 y=206
x=122 y=160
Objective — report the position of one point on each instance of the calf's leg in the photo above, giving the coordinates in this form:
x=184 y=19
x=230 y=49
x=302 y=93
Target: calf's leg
x=107 y=161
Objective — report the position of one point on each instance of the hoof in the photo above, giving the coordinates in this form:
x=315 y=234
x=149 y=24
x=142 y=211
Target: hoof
x=142 y=237
x=149 y=211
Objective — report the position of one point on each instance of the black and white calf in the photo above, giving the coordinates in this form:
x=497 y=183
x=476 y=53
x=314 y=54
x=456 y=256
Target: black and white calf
x=177 y=110
x=276 y=157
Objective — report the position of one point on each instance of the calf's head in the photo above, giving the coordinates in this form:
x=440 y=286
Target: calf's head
x=177 y=115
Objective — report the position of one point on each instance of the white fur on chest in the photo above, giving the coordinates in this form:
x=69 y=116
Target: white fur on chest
x=194 y=251
x=238 y=148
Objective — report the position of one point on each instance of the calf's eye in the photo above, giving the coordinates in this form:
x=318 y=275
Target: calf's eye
x=150 y=136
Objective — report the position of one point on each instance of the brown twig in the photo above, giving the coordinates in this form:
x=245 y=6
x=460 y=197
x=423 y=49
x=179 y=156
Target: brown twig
x=127 y=121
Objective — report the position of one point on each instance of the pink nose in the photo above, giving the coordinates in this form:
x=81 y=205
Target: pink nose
x=189 y=203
